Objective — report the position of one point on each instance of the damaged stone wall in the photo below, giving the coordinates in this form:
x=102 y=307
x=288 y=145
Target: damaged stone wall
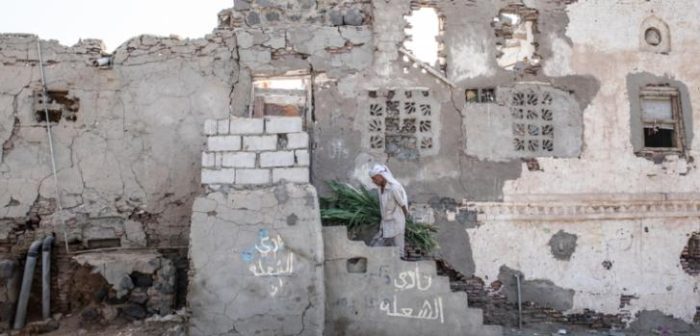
x=129 y=158
x=631 y=250
x=123 y=174
x=256 y=249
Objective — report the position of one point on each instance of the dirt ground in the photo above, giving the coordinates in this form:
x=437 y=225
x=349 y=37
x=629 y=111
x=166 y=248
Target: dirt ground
x=72 y=326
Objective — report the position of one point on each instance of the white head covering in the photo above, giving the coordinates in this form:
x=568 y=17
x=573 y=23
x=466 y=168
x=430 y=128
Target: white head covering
x=380 y=169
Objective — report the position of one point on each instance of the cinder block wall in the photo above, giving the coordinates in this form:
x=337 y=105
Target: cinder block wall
x=250 y=151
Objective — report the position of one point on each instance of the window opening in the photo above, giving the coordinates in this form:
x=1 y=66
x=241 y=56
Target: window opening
x=423 y=35
x=486 y=95
x=516 y=25
x=281 y=96
x=661 y=111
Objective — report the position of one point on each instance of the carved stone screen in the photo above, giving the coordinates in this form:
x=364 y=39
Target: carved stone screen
x=525 y=121
x=401 y=122
x=533 y=128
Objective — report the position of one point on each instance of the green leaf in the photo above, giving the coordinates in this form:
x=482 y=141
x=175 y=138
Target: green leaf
x=356 y=207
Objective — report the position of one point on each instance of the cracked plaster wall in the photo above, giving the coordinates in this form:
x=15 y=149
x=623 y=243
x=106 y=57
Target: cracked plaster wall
x=133 y=149
x=140 y=115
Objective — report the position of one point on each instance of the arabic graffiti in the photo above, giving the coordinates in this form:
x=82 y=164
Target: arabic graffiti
x=428 y=311
x=269 y=258
x=413 y=279
x=431 y=309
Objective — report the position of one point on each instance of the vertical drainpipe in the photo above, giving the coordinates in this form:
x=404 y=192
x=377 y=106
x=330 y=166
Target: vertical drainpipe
x=46 y=276
x=520 y=300
x=32 y=254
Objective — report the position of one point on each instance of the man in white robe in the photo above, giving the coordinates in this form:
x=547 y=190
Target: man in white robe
x=393 y=204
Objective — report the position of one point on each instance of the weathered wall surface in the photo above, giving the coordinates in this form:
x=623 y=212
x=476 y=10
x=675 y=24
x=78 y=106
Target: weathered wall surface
x=128 y=141
x=132 y=150
x=592 y=162
x=628 y=248
x=256 y=249
x=370 y=291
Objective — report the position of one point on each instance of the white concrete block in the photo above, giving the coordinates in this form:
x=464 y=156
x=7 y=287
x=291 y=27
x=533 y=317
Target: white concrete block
x=297 y=140
x=297 y=175
x=282 y=124
x=252 y=176
x=277 y=159
x=223 y=143
x=210 y=126
x=208 y=160
x=259 y=142
x=238 y=160
x=219 y=159
x=222 y=126
x=247 y=126
x=302 y=157
x=218 y=176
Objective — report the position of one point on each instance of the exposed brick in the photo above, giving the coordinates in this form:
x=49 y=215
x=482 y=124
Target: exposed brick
x=224 y=143
x=302 y=157
x=247 y=125
x=220 y=176
x=238 y=160
x=277 y=159
x=283 y=124
x=222 y=126
x=297 y=140
x=259 y=142
x=298 y=175
x=252 y=176
x=210 y=126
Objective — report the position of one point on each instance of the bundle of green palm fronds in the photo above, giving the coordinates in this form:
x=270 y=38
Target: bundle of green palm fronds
x=358 y=207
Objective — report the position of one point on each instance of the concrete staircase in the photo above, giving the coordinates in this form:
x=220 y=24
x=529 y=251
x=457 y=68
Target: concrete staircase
x=370 y=291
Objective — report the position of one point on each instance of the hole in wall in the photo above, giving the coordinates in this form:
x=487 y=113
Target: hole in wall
x=103 y=243
x=422 y=34
x=690 y=256
x=652 y=36
x=357 y=265
x=487 y=95
x=516 y=27
x=281 y=96
x=59 y=104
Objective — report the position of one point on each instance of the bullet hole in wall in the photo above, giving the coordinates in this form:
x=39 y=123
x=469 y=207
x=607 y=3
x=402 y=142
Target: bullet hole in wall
x=57 y=104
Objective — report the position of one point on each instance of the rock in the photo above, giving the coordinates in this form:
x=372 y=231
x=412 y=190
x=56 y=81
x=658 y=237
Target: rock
x=241 y=5
x=57 y=316
x=138 y=296
x=253 y=18
x=272 y=16
x=134 y=311
x=7 y=268
x=336 y=18
x=354 y=17
x=41 y=327
x=89 y=314
x=109 y=313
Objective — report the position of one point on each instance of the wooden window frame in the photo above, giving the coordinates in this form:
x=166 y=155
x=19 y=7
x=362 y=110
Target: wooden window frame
x=663 y=92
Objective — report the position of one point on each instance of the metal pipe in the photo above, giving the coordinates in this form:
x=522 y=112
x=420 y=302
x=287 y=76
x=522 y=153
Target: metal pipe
x=46 y=276
x=50 y=138
x=32 y=253
x=520 y=299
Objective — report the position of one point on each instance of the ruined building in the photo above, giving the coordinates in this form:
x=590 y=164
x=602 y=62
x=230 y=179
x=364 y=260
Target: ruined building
x=549 y=141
